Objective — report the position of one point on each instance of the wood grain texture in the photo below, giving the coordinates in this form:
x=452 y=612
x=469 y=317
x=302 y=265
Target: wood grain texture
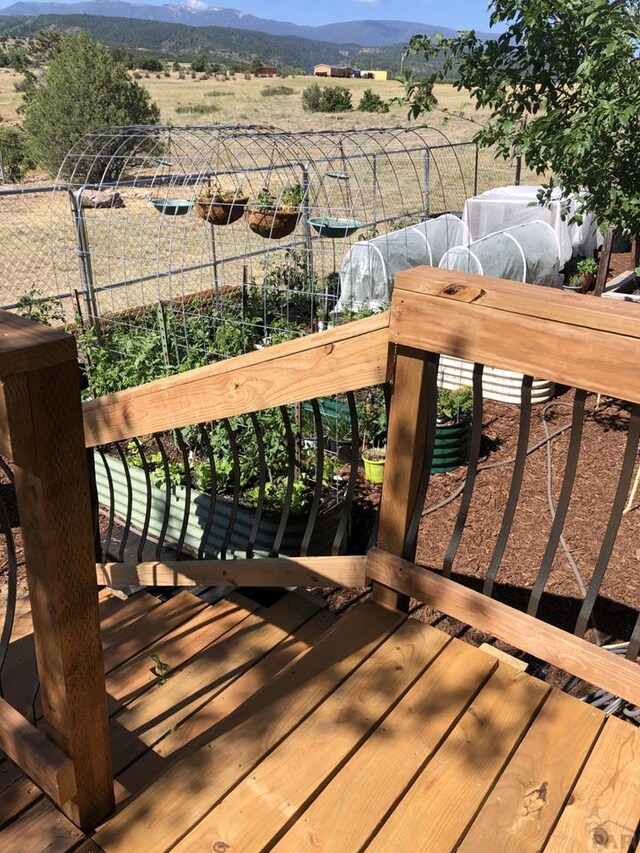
x=259 y=808
x=346 y=813
x=157 y=712
x=406 y=441
x=559 y=351
x=528 y=798
x=41 y=828
x=52 y=489
x=603 y=812
x=344 y=359
x=517 y=298
x=40 y=759
x=194 y=732
x=281 y=571
x=27 y=346
x=234 y=746
x=441 y=803
x=573 y=654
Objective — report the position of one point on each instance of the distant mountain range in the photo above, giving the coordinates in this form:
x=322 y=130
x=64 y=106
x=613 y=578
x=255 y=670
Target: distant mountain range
x=362 y=33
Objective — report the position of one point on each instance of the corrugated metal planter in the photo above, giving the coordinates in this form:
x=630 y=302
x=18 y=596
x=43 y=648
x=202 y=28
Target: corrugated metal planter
x=503 y=386
x=153 y=500
x=451 y=446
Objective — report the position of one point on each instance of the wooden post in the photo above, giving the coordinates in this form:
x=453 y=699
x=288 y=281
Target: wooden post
x=406 y=444
x=635 y=252
x=41 y=428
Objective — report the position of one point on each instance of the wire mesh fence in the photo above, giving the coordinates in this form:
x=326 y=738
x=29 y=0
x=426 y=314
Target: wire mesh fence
x=170 y=241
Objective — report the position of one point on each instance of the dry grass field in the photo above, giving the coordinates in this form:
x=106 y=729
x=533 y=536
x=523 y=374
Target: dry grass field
x=240 y=101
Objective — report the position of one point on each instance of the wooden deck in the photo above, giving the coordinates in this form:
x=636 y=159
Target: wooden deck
x=284 y=728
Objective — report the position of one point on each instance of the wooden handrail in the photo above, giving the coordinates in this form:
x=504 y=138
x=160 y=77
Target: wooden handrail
x=578 y=341
x=41 y=432
x=347 y=358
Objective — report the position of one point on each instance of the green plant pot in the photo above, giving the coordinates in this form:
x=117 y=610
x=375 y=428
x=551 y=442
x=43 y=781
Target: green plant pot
x=373 y=471
x=451 y=446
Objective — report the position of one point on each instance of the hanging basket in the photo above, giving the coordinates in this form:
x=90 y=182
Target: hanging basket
x=335 y=227
x=172 y=206
x=272 y=224
x=220 y=212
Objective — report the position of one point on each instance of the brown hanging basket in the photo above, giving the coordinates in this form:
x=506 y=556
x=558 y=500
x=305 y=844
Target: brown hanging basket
x=219 y=212
x=272 y=224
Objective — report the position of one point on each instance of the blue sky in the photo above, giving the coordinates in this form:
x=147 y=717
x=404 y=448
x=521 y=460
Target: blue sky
x=459 y=14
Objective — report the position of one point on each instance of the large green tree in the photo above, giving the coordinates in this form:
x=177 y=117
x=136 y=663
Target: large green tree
x=562 y=83
x=84 y=90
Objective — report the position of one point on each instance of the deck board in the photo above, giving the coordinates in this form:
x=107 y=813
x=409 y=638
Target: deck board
x=234 y=746
x=602 y=813
x=270 y=796
x=285 y=729
x=347 y=812
x=531 y=793
x=437 y=809
x=194 y=731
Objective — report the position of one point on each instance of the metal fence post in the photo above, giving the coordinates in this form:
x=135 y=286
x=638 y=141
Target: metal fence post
x=84 y=260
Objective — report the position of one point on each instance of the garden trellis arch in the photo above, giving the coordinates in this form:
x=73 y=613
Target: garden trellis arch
x=148 y=248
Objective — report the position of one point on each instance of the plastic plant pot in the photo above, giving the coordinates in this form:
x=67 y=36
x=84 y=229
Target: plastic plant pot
x=373 y=469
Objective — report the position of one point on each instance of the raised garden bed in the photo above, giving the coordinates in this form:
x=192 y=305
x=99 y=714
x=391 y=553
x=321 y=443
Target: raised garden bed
x=154 y=500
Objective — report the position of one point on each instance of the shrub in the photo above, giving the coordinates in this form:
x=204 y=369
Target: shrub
x=16 y=159
x=372 y=103
x=197 y=109
x=84 y=90
x=329 y=99
x=271 y=91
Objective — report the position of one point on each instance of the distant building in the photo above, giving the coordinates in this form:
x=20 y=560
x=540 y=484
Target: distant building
x=376 y=75
x=332 y=71
x=267 y=71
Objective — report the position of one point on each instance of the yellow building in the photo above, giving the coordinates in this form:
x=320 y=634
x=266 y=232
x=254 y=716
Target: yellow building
x=377 y=75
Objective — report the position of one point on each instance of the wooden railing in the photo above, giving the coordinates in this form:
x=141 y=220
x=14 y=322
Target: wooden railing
x=584 y=342
x=41 y=433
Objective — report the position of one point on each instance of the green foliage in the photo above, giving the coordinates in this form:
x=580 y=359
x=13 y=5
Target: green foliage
x=562 y=82
x=326 y=99
x=34 y=306
x=197 y=109
x=587 y=266
x=84 y=90
x=370 y=102
x=15 y=154
x=161 y=670
x=372 y=418
x=455 y=405
x=290 y=199
x=272 y=91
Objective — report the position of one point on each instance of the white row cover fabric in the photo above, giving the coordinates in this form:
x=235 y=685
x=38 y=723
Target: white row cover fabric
x=523 y=253
x=504 y=207
x=369 y=267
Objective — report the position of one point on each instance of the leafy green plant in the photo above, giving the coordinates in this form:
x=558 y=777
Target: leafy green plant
x=197 y=109
x=562 y=84
x=34 y=306
x=587 y=266
x=15 y=154
x=161 y=670
x=84 y=89
x=291 y=197
x=273 y=91
x=455 y=405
